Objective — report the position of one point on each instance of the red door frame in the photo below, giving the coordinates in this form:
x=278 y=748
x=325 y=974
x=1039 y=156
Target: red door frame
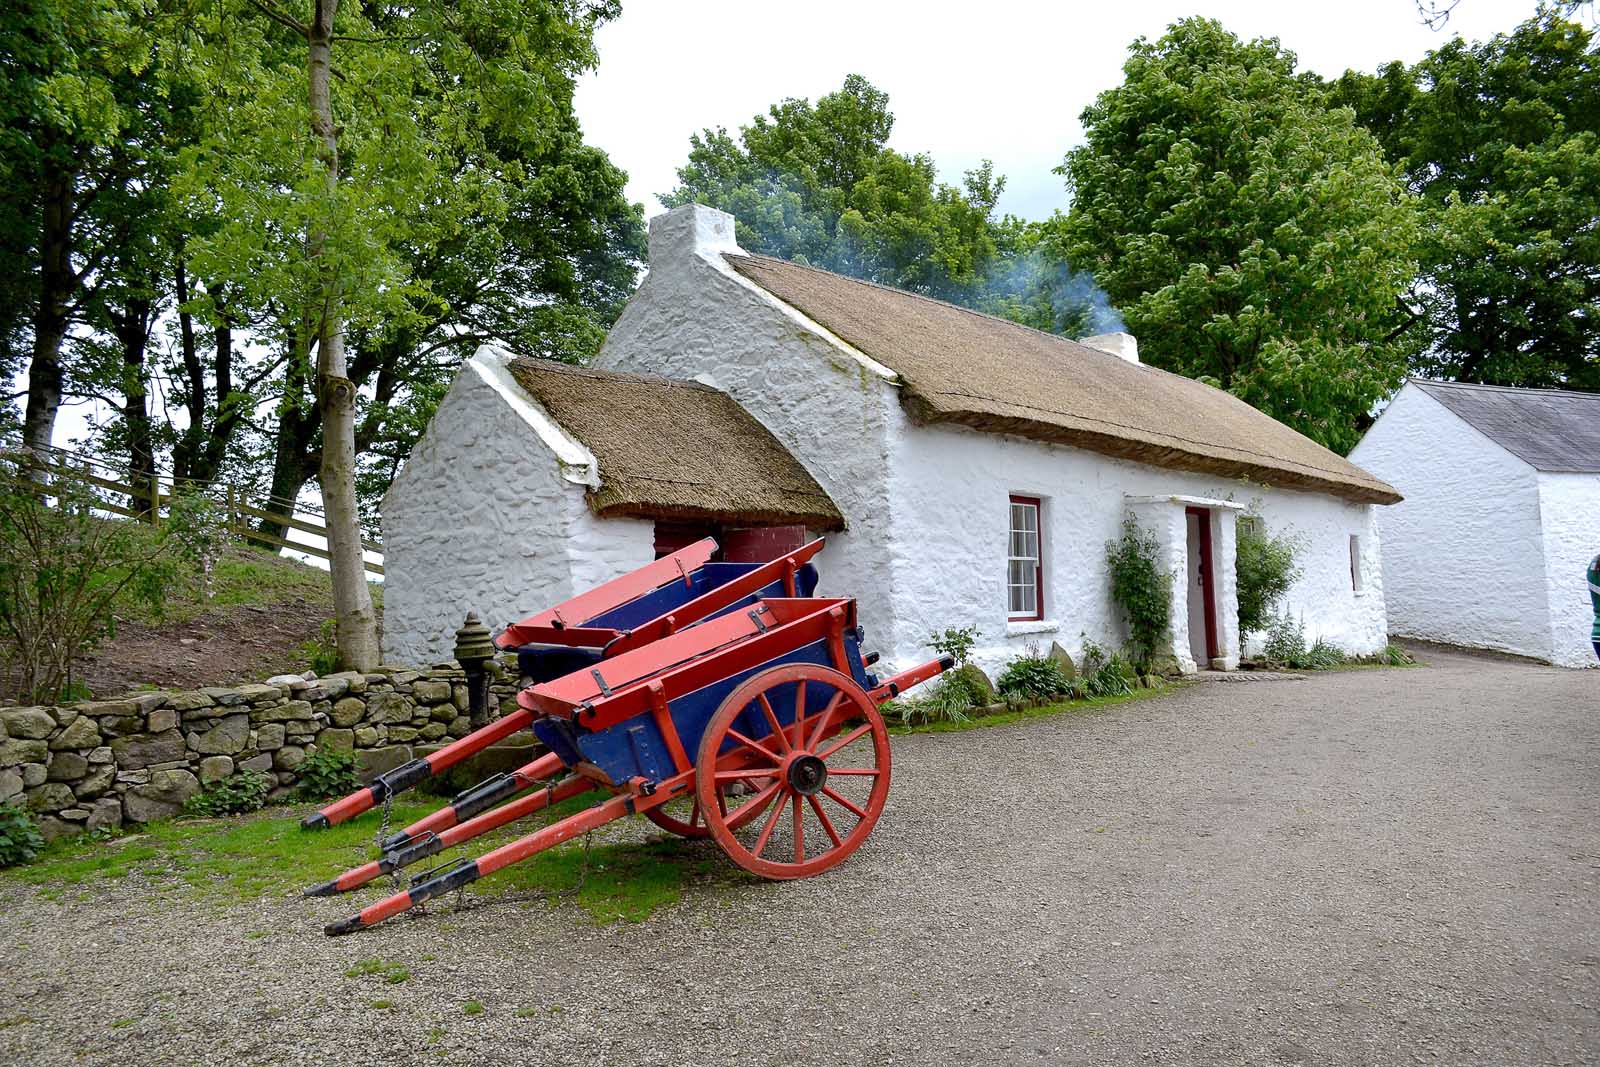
x=1207 y=587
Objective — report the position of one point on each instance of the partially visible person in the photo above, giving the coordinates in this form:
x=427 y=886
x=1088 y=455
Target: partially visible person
x=1594 y=598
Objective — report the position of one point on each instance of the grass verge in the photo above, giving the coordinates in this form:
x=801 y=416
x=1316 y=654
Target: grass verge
x=1089 y=706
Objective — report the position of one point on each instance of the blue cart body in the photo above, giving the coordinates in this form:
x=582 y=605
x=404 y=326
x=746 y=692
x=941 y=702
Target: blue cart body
x=635 y=746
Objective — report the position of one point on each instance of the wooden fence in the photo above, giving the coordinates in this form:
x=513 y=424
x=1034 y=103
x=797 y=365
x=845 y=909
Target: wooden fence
x=144 y=501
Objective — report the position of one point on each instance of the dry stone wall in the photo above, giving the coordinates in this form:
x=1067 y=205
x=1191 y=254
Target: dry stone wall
x=100 y=764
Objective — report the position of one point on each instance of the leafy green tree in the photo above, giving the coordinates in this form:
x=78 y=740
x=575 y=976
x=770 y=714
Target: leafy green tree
x=818 y=184
x=1501 y=142
x=1251 y=235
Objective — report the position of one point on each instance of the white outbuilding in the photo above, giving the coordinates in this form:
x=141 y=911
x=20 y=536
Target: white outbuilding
x=1500 y=520
x=966 y=470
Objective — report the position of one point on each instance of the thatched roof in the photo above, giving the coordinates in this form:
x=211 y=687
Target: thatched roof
x=676 y=450
x=959 y=366
x=1548 y=429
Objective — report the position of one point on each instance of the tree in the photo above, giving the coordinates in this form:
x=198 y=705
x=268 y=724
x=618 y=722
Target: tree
x=1251 y=235
x=1501 y=143
x=818 y=184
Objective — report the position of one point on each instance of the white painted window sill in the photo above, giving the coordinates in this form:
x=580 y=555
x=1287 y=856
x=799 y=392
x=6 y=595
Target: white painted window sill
x=1042 y=626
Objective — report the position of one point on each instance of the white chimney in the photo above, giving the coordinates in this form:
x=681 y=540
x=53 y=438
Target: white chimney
x=1122 y=345
x=689 y=230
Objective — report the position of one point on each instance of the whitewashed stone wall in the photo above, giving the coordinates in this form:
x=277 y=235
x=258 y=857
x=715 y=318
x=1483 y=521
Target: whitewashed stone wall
x=489 y=515
x=1464 y=553
x=1570 y=507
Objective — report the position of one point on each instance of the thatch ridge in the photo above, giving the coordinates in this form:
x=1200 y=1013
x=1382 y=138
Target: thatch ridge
x=677 y=450
x=964 y=367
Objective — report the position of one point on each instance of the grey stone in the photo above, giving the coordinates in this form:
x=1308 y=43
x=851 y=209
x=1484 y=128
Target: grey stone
x=375 y=761
x=103 y=754
x=142 y=750
x=461 y=726
x=431 y=692
x=29 y=724
x=122 y=726
x=334 y=686
x=67 y=767
x=34 y=774
x=354 y=681
x=63 y=716
x=105 y=814
x=444 y=713
x=215 y=768
x=402 y=734
x=52 y=827
x=432 y=732
x=316 y=694
x=337 y=740
x=225 y=738
x=13 y=752
x=288 y=711
x=162 y=719
x=289 y=757
x=116 y=709
x=458 y=697
x=133 y=777
x=161 y=798
x=81 y=732
x=52 y=796
x=269 y=736
x=348 y=711
x=96 y=783
x=147 y=702
x=1063 y=660
x=367 y=736
x=292 y=682
x=257 y=692
x=189 y=701
x=10 y=783
x=262 y=762
x=74 y=814
x=222 y=695
x=389 y=707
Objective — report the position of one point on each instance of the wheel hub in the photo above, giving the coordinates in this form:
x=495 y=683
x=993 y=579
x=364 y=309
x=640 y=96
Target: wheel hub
x=807 y=774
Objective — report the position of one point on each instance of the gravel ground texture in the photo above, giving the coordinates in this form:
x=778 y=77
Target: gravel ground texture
x=1363 y=867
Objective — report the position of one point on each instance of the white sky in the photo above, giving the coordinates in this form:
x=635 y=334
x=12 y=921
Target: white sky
x=1003 y=80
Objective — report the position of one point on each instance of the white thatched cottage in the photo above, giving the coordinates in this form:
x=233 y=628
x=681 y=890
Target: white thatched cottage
x=1500 y=520
x=975 y=468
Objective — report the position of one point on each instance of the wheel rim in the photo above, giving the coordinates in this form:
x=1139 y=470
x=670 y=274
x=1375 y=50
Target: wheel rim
x=681 y=815
x=816 y=750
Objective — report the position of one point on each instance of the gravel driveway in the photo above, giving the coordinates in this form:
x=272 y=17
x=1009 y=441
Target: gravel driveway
x=1374 y=866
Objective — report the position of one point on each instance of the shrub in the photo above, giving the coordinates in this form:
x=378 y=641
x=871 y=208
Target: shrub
x=199 y=525
x=1265 y=567
x=955 y=643
x=1286 y=645
x=234 y=795
x=1395 y=656
x=326 y=773
x=1101 y=674
x=1141 y=589
x=65 y=572
x=322 y=651
x=1033 y=677
x=20 y=839
x=947 y=700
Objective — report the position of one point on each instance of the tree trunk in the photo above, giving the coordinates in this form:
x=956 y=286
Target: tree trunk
x=132 y=327
x=356 y=621
x=56 y=286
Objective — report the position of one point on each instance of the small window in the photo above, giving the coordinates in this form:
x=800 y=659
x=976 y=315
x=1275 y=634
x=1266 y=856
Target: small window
x=1024 y=575
x=1356 y=581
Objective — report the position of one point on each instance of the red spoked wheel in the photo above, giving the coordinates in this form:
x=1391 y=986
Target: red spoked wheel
x=815 y=748
x=681 y=815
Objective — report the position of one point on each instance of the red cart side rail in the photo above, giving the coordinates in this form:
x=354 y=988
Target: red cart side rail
x=612 y=594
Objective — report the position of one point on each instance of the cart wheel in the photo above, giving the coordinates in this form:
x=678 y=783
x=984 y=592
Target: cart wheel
x=681 y=815
x=780 y=732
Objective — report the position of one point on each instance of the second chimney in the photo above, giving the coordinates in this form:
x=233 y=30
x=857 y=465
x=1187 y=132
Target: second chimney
x=1122 y=345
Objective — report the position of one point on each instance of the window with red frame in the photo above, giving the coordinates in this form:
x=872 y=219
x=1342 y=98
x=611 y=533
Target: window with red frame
x=1024 y=572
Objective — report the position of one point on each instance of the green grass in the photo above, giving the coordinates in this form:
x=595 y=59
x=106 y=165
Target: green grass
x=266 y=853
x=392 y=973
x=1090 y=706
x=251 y=576
x=472 y=1007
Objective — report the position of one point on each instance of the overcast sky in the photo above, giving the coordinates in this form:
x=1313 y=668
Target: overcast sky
x=1000 y=79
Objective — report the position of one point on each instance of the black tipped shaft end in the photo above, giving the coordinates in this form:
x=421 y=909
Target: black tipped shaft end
x=946 y=662
x=343 y=926
x=326 y=889
x=315 y=821
x=394 y=842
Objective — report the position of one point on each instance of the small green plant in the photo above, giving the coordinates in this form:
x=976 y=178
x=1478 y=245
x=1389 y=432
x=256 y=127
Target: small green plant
x=1286 y=646
x=955 y=643
x=1265 y=568
x=236 y=794
x=20 y=839
x=1033 y=677
x=947 y=700
x=322 y=652
x=199 y=526
x=1101 y=674
x=1141 y=589
x=391 y=973
x=472 y=1007
x=326 y=773
x=1395 y=656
